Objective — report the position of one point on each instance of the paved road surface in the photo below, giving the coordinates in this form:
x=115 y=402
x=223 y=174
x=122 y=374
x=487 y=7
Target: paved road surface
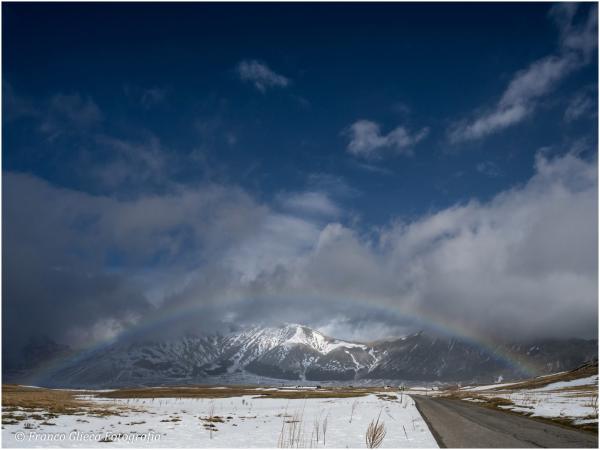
x=459 y=424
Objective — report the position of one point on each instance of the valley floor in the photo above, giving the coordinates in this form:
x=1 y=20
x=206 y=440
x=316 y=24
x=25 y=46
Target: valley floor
x=228 y=421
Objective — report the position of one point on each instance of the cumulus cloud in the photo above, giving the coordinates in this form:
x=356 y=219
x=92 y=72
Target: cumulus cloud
x=367 y=141
x=519 y=100
x=260 y=75
x=517 y=264
x=522 y=265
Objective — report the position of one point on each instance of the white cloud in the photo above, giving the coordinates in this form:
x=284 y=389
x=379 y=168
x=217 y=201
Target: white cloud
x=310 y=202
x=524 y=263
x=580 y=38
x=367 y=141
x=519 y=100
x=582 y=104
x=260 y=75
x=488 y=123
x=365 y=330
x=130 y=164
x=537 y=80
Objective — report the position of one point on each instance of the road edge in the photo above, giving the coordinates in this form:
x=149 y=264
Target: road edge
x=541 y=419
x=434 y=433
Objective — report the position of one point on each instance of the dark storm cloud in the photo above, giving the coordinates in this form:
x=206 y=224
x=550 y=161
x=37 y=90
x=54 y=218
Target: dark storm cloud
x=76 y=264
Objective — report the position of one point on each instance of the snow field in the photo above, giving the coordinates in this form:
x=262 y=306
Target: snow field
x=236 y=422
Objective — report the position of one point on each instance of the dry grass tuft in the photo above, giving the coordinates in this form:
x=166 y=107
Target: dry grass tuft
x=375 y=433
x=292 y=432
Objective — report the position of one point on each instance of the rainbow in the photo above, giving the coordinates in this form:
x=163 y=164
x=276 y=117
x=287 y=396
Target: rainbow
x=429 y=320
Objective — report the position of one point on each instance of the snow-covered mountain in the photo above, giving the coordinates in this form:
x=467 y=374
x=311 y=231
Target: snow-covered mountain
x=296 y=353
x=290 y=352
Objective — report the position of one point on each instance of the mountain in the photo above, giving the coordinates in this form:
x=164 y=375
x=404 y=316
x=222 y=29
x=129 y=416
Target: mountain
x=291 y=352
x=424 y=357
x=296 y=354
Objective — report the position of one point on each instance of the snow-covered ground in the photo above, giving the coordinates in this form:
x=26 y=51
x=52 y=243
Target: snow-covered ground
x=575 y=400
x=244 y=421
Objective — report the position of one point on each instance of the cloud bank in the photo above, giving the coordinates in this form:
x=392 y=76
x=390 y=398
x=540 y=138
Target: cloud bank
x=82 y=267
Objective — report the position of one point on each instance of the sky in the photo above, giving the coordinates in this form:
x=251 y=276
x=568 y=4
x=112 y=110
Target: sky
x=365 y=169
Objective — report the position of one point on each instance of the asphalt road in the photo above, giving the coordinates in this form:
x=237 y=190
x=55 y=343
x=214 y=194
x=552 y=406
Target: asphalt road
x=459 y=424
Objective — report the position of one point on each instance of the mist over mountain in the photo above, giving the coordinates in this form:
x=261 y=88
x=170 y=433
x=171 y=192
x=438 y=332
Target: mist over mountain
x=293 y=353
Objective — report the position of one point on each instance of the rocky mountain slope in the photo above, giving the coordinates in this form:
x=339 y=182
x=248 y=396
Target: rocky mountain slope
x=295 y=353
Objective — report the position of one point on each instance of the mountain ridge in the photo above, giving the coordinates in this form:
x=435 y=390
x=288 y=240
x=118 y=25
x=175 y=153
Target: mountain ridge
x=293 y=353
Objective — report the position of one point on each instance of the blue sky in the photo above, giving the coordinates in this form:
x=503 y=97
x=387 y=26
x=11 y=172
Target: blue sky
x=362 y=117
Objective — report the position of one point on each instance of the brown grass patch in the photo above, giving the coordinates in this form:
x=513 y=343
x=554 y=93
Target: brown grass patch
x=53 y=401
x=49 y=403
x=172 y=419
x=215 y=419
x=499 y=401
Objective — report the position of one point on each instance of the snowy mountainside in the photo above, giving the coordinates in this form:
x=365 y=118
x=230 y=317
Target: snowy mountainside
x=295 y=353
x=288 y=352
